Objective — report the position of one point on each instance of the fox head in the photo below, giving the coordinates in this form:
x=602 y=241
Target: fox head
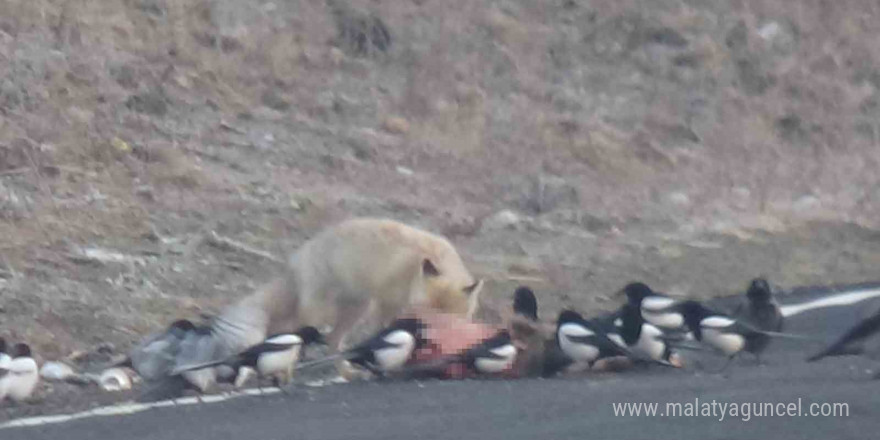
x=456 y=293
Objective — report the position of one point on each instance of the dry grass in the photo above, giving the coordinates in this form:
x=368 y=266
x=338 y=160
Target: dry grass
x=667 y=118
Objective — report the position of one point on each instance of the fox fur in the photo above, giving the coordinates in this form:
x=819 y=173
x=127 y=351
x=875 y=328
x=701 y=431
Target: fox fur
x=363 y=272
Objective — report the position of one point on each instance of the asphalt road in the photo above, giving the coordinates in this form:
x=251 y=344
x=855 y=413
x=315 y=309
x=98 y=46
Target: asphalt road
x=574 y=407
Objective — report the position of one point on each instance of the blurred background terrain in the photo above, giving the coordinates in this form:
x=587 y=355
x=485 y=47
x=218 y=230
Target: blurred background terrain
x=159 y=158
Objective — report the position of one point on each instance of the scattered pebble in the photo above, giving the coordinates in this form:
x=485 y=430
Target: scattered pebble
x=56 y=371
x=502 y=220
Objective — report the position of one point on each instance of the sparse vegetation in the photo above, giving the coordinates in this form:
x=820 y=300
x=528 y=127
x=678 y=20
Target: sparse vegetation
x=690 y=144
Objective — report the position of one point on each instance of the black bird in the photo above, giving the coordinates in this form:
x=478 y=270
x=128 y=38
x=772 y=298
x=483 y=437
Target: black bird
x=656 y=308
x=385 y=352
x=492 y=356
x=21 y=374
x=851 y=342
x=275 y=357
x=5 y=358
x=644 y=340
x=584 y=341
x=531 y=335
x=525 y=303
x=762 y=312
x=724 y=333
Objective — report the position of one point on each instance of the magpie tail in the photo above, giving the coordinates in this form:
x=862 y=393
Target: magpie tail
x=199 y=366
x=325 y=360
x=835 y=350
x=789 y=336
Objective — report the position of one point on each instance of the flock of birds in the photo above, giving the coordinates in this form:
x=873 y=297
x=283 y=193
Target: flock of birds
x=650 y=327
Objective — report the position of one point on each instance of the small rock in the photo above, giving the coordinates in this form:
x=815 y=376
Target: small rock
x=666 y=37
x=502 y=220
x=405 y=171
x=120 y=145
x=336 y=56
x=105 y=348
x=272 y=98
x=679 y=199
x=115 y=379
x=56 y=371
x=396 y=125
x=146 y=192
x=770 y=30
x=781 y=37
x=153 y=103
x=550 y=192
x=805 y=203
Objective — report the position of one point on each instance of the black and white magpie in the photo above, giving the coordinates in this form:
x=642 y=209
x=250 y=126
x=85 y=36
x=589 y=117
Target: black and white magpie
x=584 y=341
x=656 y=308
x=21 y=374
x=492 y=356
x=724 y=333
x=385 y=352
x=275 y=357
x=644 y=340
x=851 y=342
x=4 y=356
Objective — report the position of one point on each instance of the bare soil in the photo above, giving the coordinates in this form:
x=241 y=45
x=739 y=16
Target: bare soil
x=569 y=145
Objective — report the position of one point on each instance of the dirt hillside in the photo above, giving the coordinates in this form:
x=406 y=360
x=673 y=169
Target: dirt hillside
x=158 y=157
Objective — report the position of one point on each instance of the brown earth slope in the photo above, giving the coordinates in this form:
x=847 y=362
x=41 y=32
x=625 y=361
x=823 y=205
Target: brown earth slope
x=571 y=145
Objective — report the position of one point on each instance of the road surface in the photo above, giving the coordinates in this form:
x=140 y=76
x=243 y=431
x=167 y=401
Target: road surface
x=575 y=407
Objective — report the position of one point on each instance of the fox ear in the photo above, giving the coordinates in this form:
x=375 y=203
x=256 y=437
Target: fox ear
x=429 y=269
x=470 y=289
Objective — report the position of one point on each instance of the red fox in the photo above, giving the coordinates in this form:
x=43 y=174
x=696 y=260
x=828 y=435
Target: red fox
x=363 y=272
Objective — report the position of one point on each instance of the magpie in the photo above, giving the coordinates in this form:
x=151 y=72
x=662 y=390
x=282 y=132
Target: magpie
x=492 y=356
x=724 y=333
x=4 y=356
x=851 y=342
x=385 y=352
x=656 y=308
x=21 y=374
x=762 y=312
x=275 y=357
x=583 y=341
x=644 y=340
x=5 y=360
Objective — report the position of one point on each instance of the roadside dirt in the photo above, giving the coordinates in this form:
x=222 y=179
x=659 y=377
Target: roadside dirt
x=159 y=157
